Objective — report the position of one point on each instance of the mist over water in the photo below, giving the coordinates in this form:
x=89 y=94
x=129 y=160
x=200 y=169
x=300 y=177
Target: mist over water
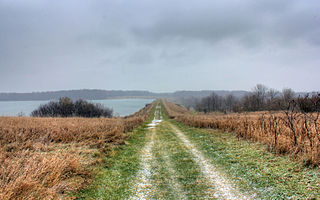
x=121 y=107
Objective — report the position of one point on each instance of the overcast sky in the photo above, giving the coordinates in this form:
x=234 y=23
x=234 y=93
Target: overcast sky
x=157 y=45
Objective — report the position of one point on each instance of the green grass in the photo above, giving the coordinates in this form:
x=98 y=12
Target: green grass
x=249 y=165
x=252 y=167
x=113 y=179
x=186 y=171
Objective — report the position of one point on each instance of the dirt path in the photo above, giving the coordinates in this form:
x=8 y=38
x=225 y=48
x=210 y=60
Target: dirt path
x=163 y=175
x=220 y=188
x=168 y=160
x=143 y=187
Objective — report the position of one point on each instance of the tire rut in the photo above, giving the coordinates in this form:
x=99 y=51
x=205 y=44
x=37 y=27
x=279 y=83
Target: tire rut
x=142 y=188
x=221 y=186
x=155 y=164
x=162 y=149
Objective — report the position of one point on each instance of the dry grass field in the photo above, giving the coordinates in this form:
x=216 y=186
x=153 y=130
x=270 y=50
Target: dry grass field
x=284 y=132
x=44 y=158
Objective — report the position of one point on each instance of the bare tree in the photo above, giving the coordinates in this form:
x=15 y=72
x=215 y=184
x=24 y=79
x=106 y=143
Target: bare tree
x=288 y=95
x=230 y=102
x=260 y=93
x=272 y=93
x=272 y=100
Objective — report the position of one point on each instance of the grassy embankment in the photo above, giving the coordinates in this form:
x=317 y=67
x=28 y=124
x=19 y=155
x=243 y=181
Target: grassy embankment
x=46 y=158
x=113 y=178
x=171 y=166
x=253 y=167
x=287 y=132
x=176 y=175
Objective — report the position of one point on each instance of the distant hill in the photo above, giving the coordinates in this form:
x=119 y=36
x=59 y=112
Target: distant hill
x=73 y=94
x=93 y=94
x=204 y=93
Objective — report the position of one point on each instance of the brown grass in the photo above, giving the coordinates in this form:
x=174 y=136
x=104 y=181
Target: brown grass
x=44 y=158
x=285 y=133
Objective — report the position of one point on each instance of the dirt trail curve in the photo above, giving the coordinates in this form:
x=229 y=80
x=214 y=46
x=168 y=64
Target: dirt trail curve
x=145 y=187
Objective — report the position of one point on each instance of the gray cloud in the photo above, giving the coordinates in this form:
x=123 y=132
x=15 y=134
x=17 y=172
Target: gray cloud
x=246 y=22
x=158 y=45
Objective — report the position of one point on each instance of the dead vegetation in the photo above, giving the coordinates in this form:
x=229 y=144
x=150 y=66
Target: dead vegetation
x=286 y=132
x=44 y=158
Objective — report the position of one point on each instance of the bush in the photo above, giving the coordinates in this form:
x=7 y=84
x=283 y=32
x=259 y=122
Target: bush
x=65 y=107
x=308 y=104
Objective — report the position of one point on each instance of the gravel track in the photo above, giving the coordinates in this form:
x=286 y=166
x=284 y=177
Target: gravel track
x=221 y=187
x=142 y=188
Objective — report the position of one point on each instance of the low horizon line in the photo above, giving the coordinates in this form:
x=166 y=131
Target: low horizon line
x=142 y=90
x=125 y=90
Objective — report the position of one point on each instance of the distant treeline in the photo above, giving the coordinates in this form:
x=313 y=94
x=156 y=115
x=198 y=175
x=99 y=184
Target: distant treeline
x=88 y=94
x=260 y=98
x=93 y=94
x=65 y=107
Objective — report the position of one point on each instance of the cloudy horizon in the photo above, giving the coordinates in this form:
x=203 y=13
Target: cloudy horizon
x=159 y=46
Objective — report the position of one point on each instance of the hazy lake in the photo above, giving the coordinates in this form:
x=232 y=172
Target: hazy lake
x=120 y=107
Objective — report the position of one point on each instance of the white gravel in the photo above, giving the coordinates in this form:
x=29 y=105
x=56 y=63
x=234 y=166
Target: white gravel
x=142 y=188
x=220 y=188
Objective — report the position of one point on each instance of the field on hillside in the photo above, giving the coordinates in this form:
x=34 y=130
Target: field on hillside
x=284 y=132
x=44 y=158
